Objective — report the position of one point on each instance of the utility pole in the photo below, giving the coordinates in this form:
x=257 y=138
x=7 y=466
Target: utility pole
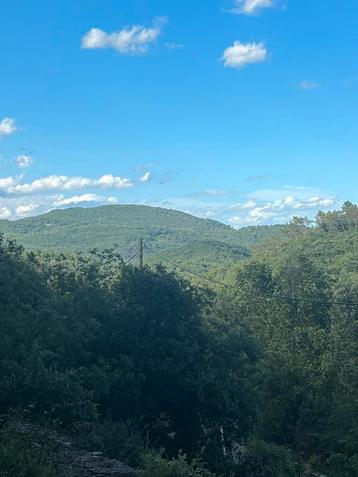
x=141 y=247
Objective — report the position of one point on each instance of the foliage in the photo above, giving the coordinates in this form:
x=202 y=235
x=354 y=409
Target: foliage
x=339 y=465
x=131 y=361
x=180 y=236
x=86 y=338
x=156 y=465
x=261 y=459
x=339 y=220
x=19 y=458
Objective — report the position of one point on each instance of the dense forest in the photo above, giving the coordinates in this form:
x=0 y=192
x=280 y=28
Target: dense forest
x=83 y=229
x=204 y=245
x=254 y=377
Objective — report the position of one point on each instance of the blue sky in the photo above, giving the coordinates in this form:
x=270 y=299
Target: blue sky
x=240 y=110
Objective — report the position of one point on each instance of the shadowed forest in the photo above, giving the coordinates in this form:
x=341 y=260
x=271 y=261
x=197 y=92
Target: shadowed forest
x=175 y=376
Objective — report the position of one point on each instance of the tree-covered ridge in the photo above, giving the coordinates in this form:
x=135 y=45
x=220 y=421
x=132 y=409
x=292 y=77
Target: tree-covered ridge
x=79 y=229
x=257 y=378
x=339 y=220
x=332 y=244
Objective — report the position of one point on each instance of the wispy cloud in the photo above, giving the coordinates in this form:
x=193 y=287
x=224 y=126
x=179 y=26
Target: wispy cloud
x=174 y=46
x=308 y=84
x=132 y=40
x=24 y=161
x=166 y=177
x=7 y=127
x=241 y=54
x=146 y=177
x=251 y=7
x=214 y=192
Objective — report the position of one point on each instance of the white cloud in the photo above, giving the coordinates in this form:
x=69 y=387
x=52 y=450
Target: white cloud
x=25 y=209
x=17 y=207
x=264 y=206
x=320 y=202
x=112 y=200
x=259 y=208
x=5 y=213
x=251 y=7
x=19 y=199
x=12 y=185
x=77 y=199
x=308 y=84
x=250 y=204
x=240 y=214
x=23 y=161
x=7 y=127
x=61 y=200
x=7 y=182
x=130 y=40
x=146 y=177
x=109 y=181
x=242 y=54
x=280 y=211
x=301 y=193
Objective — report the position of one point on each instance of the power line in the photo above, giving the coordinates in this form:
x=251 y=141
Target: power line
x=134 y=256
x=138 y=253
x=141 y=247
x=191 y=272
x=232 y=287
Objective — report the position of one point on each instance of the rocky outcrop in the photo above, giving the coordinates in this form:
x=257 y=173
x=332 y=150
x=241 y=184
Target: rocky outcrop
x=93 y=464
x=70 y=461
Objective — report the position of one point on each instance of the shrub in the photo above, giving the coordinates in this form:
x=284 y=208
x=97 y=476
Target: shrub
x=339 y=465
x=155 y=465
x=267 y=460
x=19 y=458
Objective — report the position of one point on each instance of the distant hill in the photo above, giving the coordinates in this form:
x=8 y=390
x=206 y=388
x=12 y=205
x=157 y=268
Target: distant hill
x=178 y=234
x=204 y=258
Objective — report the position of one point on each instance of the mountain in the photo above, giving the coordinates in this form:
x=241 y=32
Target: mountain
x=178 y=233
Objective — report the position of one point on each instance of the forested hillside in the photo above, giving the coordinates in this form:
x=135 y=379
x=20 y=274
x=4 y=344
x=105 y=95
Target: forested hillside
x=80 y=229
x=257 y=378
